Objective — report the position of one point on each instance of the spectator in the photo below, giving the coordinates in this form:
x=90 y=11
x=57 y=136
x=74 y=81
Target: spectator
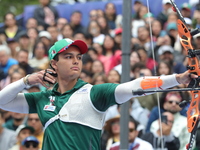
x=10 y=29
x=16 y=121
x=5 y=59
x=45 y=14
x=99 y=78
x=67 y=31
x=149 y=62
x=157 y=30
x=61 y=22
x=162 y=16
x=95 y=30
x=166 y=53
x=143 y=39
x=118 y=38
x=134 y=140
x=97 y=67
x=45 y=37
x=79 y=36
x=113 y=76
x=93 y=53
x=22 y=58
x=34 y=121
x=103 y=24
x=31 y=23
x=87 y=62
x=22 y=132
x=163 y=68
x=30 y=143
x=8 y=137
x=164 y=134
x=75 y=22
x=134 y=58
x=13 y=44
x=54 y=34
x=86 y=76
x=186 y=10
x=112 y=127
x=39 y=55
x=139 y=20
x=24 y=41
x=112 y=55
x=169 y=102
x=93 y=14
x=111 y=15
x=33 y=37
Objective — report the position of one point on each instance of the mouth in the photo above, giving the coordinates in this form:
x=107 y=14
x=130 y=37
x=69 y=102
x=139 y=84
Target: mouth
x=75 y=68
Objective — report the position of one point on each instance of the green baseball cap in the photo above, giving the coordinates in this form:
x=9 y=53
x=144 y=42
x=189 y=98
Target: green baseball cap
x=64 y=44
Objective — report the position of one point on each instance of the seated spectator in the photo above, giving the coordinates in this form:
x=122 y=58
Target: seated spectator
x=54 y=34
x=114 y=76
x=75 y=22
x=59 y=25
x=31 y=23
x=30 y=143
x=86 y=76
x=5 y=59
x=169 y=102
x=17 y=120
x=95 y=30
x=39 y=55
x=8 y=137
x=166 y=53
x=134 y=141
x=45 y=14
x=112 y=129
x=46 y=38
x=34 y=121
x=10 y=28
x=22 y=58
x=67 y=31
x=22 y=132
x=99 y=78
x=163 y=138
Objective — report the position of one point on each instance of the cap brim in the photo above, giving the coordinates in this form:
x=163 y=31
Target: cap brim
x=81 y=45
x=78 y=43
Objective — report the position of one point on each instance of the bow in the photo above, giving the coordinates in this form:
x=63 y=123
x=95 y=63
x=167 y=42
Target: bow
x=193 y=112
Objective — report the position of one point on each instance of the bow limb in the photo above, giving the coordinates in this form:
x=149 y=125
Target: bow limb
x=193 y=112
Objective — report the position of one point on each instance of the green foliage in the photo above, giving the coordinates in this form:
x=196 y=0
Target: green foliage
x=14 y=6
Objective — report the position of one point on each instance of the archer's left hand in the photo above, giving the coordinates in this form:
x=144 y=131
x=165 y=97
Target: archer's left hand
x=185 y=78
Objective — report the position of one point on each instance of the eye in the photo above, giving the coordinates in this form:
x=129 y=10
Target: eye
x=68 y=57
x=79 y=57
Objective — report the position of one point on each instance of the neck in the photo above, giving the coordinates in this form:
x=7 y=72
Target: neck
x=66 y=85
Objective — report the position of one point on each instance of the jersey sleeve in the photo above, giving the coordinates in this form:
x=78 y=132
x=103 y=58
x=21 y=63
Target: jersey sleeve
x=30 y=98
x=103 y=96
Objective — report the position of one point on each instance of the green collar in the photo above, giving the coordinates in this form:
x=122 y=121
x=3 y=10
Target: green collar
x=77 y=86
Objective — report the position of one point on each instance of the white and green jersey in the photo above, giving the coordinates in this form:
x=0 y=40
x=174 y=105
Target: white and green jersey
x=70 y=135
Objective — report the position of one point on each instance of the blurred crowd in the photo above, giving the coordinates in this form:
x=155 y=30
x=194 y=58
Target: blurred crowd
x=155 y=50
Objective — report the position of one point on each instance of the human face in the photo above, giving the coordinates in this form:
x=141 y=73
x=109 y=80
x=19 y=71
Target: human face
x=115 y=127
x=97 y=67
x=69 y=65
x=3 y=58
x=134 y=58
x=163 y=69
x=40 y=51
x=108 y=42
x=172 y=102
x=113 y=77
x=143 y=34
x=22 y=57
x=34 y=121
x=133 y=133
x=23 y=134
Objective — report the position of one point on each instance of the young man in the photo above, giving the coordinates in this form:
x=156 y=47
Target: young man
x=73 y=111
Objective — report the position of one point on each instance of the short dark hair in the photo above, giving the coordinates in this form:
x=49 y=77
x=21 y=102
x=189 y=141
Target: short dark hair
x=136 y=123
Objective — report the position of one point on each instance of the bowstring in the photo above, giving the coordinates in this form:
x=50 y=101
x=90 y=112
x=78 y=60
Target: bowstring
x=155 y=73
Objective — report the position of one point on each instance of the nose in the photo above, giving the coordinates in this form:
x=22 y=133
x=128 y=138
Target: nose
x=75 y=61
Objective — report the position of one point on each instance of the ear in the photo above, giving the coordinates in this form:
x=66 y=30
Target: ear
x=53 y=64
